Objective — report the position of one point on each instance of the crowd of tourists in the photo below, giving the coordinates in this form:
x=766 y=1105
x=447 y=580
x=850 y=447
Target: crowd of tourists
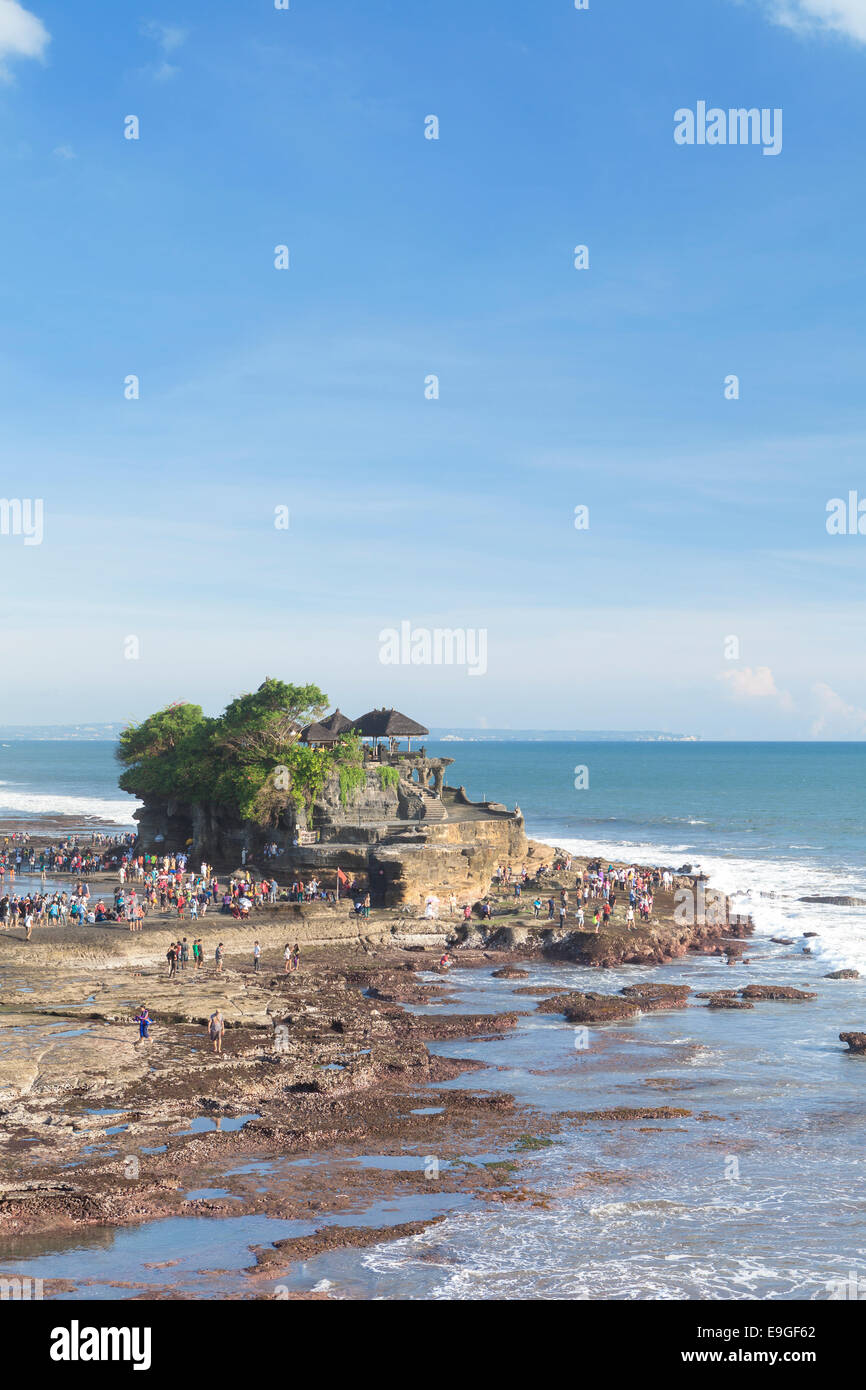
x=596 y=892
x=96 y=854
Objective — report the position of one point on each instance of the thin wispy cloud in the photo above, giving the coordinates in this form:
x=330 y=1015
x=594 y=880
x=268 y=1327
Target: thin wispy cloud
x=22 y=35
x=64 y=152
x=170 y=38
x=843 y=17
x=836 y=718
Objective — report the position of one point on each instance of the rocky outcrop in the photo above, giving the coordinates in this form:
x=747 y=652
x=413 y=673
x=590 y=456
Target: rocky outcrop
x=397 y=833
x=589 y=1008
x=775 y=992
x=856 y=1041
x=843 y=975
x=653 y=996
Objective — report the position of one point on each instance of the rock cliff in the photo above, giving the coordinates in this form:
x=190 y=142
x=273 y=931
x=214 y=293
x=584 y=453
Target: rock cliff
x=401 y=828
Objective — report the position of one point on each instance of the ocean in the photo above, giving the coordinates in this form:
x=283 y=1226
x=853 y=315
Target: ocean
x=758 y=1192
x=43 y=779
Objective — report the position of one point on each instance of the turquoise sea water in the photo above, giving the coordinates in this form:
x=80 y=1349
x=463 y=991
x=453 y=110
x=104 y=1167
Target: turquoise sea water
x=803 y=801
x=46 y=778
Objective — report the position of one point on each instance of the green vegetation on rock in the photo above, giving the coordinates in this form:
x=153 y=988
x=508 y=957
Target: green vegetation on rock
x=528 y=1143
x=352 y=779
x=247 y=760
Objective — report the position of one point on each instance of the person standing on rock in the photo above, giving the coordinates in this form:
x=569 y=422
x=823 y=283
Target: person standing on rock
x=257 y=953
x=216 y=1028
x=296 y=958
x=218 y=957
x=142 y=1018
x=171 y=957
x=287 y=957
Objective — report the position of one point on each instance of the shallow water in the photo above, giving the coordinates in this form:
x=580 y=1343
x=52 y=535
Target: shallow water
x=204 y=1257
x=764 y=1198
x=204 y=1124
x=759 y=1193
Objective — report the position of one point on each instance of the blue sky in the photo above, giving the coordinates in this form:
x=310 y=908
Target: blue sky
x=454 y=257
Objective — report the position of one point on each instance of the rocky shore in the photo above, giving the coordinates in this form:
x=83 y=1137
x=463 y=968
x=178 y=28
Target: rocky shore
x=103 y=1130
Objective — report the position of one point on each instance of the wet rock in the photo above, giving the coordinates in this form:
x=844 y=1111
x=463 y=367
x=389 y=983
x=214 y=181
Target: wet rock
x=590 y=1008
x=653 y=996
x=727 y=1001
x=296 y=1248
x=775 y=992
x=841 y=901
x=510 y=972
x=509 y=938
x=639 y=1112
x=783 y=940
x=470 y=939
x=843 y=975
x=856 y=1041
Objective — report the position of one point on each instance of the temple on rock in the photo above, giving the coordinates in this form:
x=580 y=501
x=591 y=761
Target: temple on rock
x=398 y=824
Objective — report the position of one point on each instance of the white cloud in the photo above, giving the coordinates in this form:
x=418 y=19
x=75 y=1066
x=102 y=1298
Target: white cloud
x=168 y=36
x=64 y=152
x=164 y=73
x=22 y=35
x=745 y=684
x=846 y=17
x=836 y=718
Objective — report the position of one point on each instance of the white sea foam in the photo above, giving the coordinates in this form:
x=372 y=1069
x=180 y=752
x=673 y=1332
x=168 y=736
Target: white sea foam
x=768 y=890
x=32 y=804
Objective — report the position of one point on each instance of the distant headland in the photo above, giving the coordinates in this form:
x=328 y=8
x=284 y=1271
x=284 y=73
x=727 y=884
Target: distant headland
x=110 y=732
